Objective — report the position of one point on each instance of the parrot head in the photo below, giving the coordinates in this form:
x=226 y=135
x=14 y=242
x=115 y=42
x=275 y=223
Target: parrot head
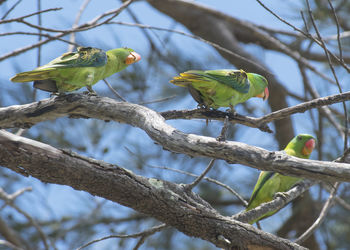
x=301 y=146
x=126 y=55
x=260 y=85
x=264 y=95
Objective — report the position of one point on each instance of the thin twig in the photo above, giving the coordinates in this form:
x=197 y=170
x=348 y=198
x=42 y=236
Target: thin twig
x=222 y=137
x=337 y=199
x=147 y=232
x=191 y=36
x=19 y=192
x=11 y=9
x=343 y=203
x=10 y=245
x=76 y=22
x=201 y=176
x=89 y=25
x=342 y=35
x=315 y=95
x=326 y=51
x=164 y=99
x=29 y=15
x=114 y=91
x=282 y=32
x=9 y=200
x=228 y=188
x=38 y=34
x=321 y=218
x=306 y=26
x=308 y=35
x=300 y=108
x=39 y=39
x=140 y=242
x=338 y=30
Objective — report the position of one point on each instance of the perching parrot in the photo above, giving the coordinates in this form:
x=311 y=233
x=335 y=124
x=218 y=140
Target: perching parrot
x=269 y=183
x=74 y=70
x=222 y=88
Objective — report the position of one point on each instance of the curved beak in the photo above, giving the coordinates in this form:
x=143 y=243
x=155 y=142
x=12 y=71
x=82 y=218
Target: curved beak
x=264 y=95
x=308 y=147
x=132 y=58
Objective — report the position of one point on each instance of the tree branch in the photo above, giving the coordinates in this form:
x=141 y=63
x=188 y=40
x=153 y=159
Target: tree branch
x=84 y=106
x=277 y=203
x=261 y=121
x=165 y=201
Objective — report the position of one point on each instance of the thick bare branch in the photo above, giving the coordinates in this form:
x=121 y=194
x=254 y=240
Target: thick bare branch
x=84 y=106
x=168 y=202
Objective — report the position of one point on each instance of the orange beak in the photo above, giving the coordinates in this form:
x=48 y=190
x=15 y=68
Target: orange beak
x=308 y=147
x=264 y=95
x=132 y=58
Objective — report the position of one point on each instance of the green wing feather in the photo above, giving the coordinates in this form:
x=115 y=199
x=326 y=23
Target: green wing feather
x=221 y=88
x=74 y=70
x=84 y=57
x=236 y=79
x=263 y=178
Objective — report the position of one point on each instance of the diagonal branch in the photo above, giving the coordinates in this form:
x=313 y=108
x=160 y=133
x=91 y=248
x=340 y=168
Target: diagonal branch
x=145 y=233
x=83 y=106
x=165 y=201
x=327 y=206
x=261 y=121
x=277 y=203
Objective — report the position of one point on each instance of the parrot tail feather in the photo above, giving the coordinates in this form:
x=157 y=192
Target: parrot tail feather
x=187 y=78
x=29 y=76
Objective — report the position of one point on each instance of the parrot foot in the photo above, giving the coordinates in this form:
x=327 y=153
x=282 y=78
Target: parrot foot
x=90 y=93
x=231 y=110
x=220 y=138
x=283 y=195
x=203 y=106
x=52 y=94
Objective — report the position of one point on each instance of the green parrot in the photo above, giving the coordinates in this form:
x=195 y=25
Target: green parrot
x=269 y=183
x=222 y=88
x=74 y=70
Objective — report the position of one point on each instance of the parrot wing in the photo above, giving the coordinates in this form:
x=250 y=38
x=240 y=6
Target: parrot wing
x=263 y=178
x=236 y=79
x=84 y=57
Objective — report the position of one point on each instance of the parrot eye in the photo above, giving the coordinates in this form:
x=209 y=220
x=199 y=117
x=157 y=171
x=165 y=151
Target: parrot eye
x=299 y=138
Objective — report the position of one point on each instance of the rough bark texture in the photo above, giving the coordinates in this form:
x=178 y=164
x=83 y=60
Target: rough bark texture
x=83 y=106
x=166 y=201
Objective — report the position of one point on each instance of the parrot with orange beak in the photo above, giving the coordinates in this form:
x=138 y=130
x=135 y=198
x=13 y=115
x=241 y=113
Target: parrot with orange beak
x=269 y=183
x=222 y=88
x=74 y=70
